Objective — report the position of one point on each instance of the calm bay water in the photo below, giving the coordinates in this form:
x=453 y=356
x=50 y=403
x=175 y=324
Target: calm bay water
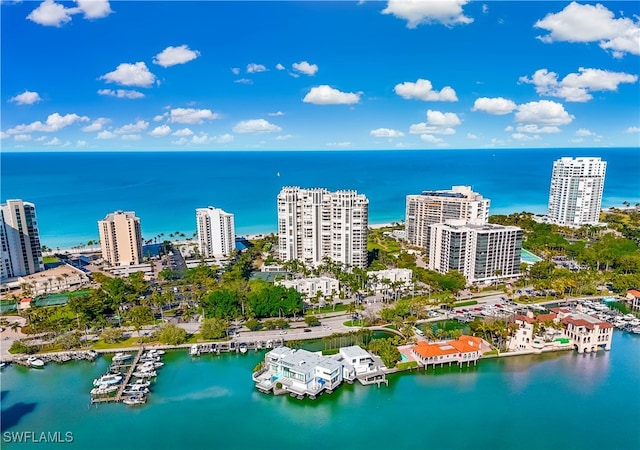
x=552 y=401
x=72 y=191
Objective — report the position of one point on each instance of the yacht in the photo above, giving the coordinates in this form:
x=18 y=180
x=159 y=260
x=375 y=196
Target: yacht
x=35 y=362
x=112 y=378
x=193 y=351
x=120 y=357
x=135 y=400
x=243 y=348
x=104 y=389
x=148 y=374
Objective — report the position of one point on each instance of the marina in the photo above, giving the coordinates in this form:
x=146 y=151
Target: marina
x=116 y=386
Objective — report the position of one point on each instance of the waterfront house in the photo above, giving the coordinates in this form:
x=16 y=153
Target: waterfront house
x=465 y=349
x=587 y=333
x=524 y=338
x=633 y=297
x=303 y=373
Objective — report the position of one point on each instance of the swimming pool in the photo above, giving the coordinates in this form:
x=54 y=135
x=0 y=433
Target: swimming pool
x=527 y=257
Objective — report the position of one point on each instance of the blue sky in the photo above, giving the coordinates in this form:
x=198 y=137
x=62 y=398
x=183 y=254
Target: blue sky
x=93 y=75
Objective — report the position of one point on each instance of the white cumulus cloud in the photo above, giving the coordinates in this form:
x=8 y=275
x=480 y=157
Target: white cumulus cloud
x=592 y=23
x=126 y=74
x=386 y=133
x=50 y=13
x=432 y=139
x=53 y=123
x=224 y=139
x=172 y=56
x=94 y=9
x=437 y=123
x=544 y=112
x=632 y=130
x=22 y=137
x=305 y=67
x=533 y=128
x=183 y=132
x=280 y=66
x=96 y=125
x=423 y=90
x=524 y=137
x=577 y=87
x=584 y=132
x=130 y=137
x=121 y=93
x=106 y=135
x=191 y=116
x=416 y=12
x=26 y=98
x=326 y=95
x=497 y=106
x=255 y=68
x=161 y=131
x=255 y=126
x=130 y=128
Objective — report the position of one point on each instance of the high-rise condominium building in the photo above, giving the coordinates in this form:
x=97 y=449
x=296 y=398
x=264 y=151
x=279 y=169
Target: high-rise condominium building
x=20 y=240
x=216 y=232
x=479 y=252
x=575 y=197
x=430 y=207
x=315 y=223
x=121 y=238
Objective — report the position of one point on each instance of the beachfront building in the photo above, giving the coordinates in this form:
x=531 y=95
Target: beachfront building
x=121 y=239
x=575 y=196
x=482 y=253
x=312 y=287
x=381 y=280
x=431 y=207
x=524 y=337
x=314 y=224
x=587 y=333
x=216 y=232
x=64 y=277
x=465 y=349
x=19 y=239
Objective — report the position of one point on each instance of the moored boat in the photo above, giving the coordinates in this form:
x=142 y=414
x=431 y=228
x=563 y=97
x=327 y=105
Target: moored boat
x=112 y=378
x=121 y=357
x=35 y=362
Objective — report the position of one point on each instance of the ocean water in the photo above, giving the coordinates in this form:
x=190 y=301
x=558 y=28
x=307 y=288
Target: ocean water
x=72 y=191
x=553 y=401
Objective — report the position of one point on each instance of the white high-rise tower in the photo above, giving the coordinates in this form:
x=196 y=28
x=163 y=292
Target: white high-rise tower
x=575 y=196
x=216 y=232
x=19 y=240
x=315 y=223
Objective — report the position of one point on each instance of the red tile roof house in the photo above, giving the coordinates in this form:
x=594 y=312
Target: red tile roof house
x=633 y=296
x=586 y=333
x=464 y=349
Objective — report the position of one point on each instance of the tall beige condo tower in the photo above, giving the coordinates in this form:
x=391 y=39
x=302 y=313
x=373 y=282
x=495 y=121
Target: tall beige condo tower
x=19 y=239
x=121 y=238
x=314 y=224
x=432 y=207
x=575 y=196
x=216 y=232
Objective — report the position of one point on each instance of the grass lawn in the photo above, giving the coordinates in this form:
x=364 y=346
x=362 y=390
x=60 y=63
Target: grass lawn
x=355 y=323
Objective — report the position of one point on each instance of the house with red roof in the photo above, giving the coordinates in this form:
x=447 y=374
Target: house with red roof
x=587 y=333
x=633 y=296
x=524 y=338
x=465 y=349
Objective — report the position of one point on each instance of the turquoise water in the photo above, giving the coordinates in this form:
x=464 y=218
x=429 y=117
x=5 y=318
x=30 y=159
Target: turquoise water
x=552 y=401
x=72 y=191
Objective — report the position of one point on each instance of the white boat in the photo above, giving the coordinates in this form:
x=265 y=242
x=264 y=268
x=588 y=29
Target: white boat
x=112 y=378
x=148 y=374
x=104 y=389
x=131 y=390
x=193 y=351
x=243 y=348
x=135 y=400
x=35 y=362
x=140 y=382
x=120 y=357
x=155 y=351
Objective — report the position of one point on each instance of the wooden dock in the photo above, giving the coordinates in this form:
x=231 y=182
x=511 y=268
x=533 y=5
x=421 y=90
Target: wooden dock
x=123 y=385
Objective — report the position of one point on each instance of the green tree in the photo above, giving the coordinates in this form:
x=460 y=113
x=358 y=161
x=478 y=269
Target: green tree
x=214 y=328
x=311 y=320
x=171 y=334
x=139 y=316
x=112 y=335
